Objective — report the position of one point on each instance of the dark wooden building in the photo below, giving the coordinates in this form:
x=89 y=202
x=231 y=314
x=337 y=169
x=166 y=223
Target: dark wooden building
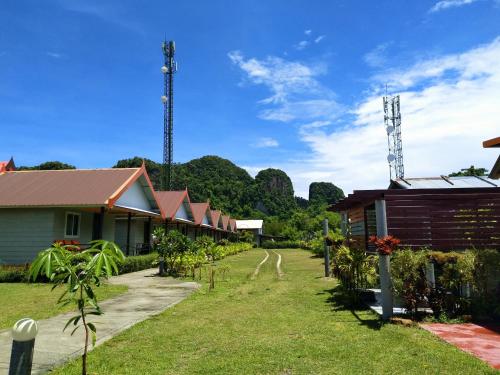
x=454 y=213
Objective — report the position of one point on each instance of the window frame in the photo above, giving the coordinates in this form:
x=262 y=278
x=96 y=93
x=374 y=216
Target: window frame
x=66 y=224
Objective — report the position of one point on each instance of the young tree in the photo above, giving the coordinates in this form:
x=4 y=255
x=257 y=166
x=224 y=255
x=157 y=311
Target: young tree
x=79 y=273
x=170 y=246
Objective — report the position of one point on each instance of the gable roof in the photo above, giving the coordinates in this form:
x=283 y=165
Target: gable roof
x=225 y=222
x=249 y=224
x=232 y=225
x=7 y=166
x=71 y=187
x=443 y=182
x=215 y=218
x=200 y=210
x=170 y=202
x=495 y=171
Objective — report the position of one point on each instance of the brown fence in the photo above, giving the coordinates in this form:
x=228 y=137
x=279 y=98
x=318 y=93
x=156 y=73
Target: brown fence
x=445 y=220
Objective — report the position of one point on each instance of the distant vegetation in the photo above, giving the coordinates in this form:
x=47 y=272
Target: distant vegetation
x=269 y=196
x=324 y=192
x=47 y=166
x=471 y=171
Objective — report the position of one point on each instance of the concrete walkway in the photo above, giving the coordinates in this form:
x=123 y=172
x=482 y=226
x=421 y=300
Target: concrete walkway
x=482 y=342
x=147 y=295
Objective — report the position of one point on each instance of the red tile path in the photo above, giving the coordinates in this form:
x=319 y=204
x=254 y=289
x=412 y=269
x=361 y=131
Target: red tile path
x=482 y=342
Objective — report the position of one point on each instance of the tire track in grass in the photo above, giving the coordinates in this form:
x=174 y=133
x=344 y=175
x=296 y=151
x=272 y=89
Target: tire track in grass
x=278 y=266
x=257 y=270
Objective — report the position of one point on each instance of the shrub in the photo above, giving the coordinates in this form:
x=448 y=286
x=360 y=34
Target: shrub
x=13 y=275
x=408 y=276
x=247 y=236
x=353 y=267
x=486 y=301
x=317 y=243
x=137 y=263
x=288 y=244
x=223 y=242
x=385 y=245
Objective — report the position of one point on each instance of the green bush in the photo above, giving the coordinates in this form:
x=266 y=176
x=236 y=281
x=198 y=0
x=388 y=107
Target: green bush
x=223 y=242
x=408 y=277
x=137 y=263
x=288 y=244
x=247 y=236
x=486 y=301
x=13 y=275
x=353 y=267
x=467 y=282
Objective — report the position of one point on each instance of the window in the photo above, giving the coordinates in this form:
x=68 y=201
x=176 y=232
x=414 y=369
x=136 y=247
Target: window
x=72 y=225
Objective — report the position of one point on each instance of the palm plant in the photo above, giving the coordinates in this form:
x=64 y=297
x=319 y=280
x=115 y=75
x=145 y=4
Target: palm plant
x=79 y=273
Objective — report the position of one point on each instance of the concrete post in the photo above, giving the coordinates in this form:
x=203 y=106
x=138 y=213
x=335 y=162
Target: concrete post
x=21 y=358
x=384 y=262
x=327 y=250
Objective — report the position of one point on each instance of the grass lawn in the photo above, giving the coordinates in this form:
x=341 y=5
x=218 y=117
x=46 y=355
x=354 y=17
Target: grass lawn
x=37 y=301
x=265 y=325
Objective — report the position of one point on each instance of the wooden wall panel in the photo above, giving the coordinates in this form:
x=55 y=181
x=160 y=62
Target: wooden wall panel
x=445 y=221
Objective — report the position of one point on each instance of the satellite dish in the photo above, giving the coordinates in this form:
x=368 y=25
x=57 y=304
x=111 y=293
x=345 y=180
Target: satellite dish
x=391 y=158
x=389 y=129
x=163 y=98
x=164 y=69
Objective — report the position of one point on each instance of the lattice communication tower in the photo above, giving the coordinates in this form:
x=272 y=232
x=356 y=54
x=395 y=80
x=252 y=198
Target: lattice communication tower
x=168 y=70
x=392 y=121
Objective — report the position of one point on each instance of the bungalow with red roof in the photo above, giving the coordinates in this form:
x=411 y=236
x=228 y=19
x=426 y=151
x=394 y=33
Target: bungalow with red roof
x=218 y=224
x=225 y=223
x=202 y=219
x=177 y=211
x=7 y=166
x=232 y=225
x=75 y=206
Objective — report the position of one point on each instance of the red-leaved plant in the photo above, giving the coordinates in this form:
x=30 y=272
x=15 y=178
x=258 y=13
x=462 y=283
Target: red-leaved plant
x=385 y=245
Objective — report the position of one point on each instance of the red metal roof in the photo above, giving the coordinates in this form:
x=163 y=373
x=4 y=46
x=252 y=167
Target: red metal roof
x=232 y=224
x=7 y=166
x=215 y=218
x=225 y=222
x=199 y=210
x=71 y=187
x=170 y=201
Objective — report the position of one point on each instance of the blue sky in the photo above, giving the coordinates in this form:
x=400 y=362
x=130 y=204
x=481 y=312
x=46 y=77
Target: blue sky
x=289 y=84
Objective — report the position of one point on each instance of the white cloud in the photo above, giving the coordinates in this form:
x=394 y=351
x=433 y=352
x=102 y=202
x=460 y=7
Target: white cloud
x=377 y=57
x=319 y=39
x=54 y=55
x=445 y=4
x=449 y=105
x=266 y=142
x=296 y=93
x=307 y=32
x=315 y=125
x=301 y=45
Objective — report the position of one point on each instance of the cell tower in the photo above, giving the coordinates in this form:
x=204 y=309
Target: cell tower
x=168 y=70
x=392 y=121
